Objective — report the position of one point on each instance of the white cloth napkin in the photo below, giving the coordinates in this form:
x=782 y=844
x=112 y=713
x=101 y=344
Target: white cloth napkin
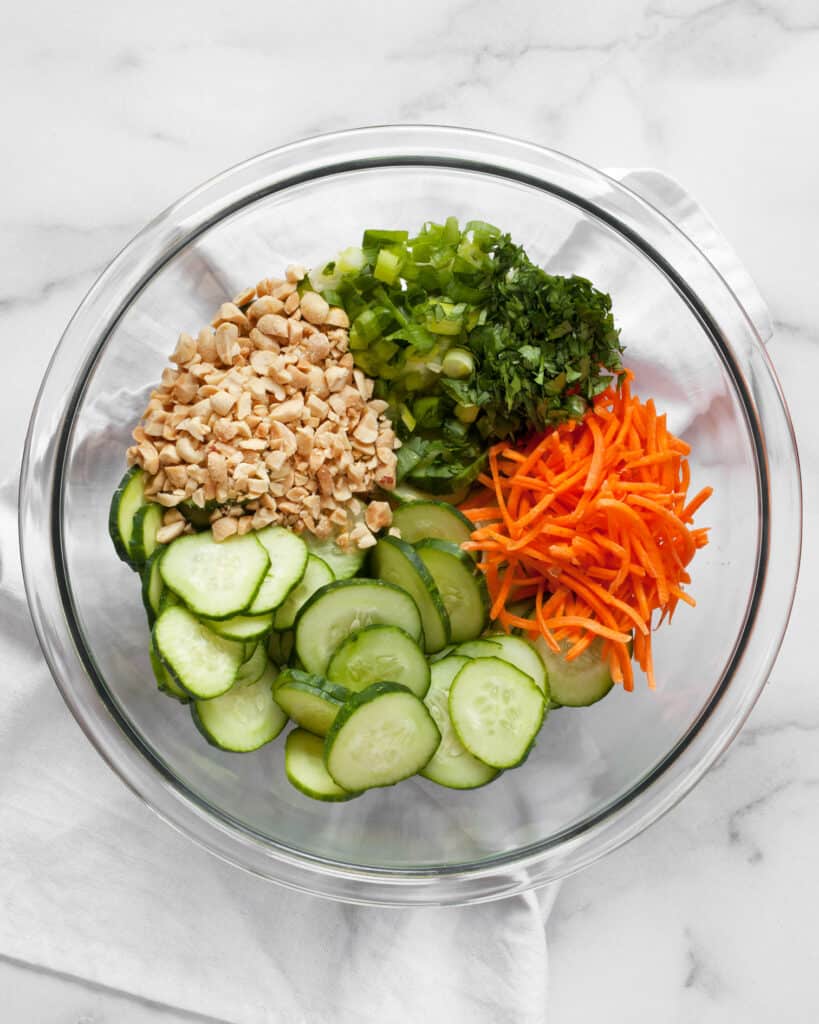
x=93 y=885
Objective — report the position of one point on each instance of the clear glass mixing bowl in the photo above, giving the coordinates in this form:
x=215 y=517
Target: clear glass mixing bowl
x=597 y=776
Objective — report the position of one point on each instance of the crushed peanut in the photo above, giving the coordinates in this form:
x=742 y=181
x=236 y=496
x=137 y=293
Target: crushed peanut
x=263 y=420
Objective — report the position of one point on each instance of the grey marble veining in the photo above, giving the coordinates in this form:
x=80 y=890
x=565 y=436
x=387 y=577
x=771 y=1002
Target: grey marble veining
x=111 y=113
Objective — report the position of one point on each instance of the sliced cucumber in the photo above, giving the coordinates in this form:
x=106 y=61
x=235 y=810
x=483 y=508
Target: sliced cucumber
x=244 y=718
x=341 y=608
x=382 y=735
x=198 y=517
x=280 y=647
x=309 y=700
x=422 y=520
x=168 y=598
x=406 y=493
x=479 y=649
x=523 y=655
x=396 y=562
x=147 y=524
x=461 y=585
x=164 y=680
x=152 y=587
x=242 y=627
x=288 y=558
x=496 y=711
x=342 y=563
x=216 y=580
x=205 y=665
x=304 y=765
x=127 y=500
x=577 y=683
x=452 y=765
x=317 y=574
x=253 y=665
x=380 y=653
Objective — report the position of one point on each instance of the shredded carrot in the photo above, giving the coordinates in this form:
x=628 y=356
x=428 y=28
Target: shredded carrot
x=592 y=520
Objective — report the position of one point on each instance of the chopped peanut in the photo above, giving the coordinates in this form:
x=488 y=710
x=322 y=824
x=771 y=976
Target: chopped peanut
x=265 y=416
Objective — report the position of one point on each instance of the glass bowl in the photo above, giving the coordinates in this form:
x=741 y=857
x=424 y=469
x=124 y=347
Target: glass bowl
x=597 y=776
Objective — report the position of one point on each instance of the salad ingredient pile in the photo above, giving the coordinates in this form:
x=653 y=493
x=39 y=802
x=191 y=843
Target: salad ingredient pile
x=266 y=420
x=591 y=521
x=290 y=508
x=469 y=340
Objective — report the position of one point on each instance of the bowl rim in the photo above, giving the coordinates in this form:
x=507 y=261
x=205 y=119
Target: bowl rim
x=660 y=241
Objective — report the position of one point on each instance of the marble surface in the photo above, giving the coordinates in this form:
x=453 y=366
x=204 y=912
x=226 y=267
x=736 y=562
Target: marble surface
x=110 y=113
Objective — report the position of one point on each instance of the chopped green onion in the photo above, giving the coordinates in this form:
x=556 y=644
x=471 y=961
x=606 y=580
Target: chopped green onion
x=467 y=413
x=427 y=412
x=350 y=260
x=458 y=363
x=407 y=418
x=387 y=266
x=375 y=239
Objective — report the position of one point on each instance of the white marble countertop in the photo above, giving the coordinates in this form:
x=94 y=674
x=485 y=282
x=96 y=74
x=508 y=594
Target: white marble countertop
x=111 y=112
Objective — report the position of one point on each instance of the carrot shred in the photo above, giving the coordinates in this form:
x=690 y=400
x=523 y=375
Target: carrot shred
x=592 y=521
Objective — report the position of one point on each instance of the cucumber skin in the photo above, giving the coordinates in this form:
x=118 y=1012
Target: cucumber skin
x=294 y=675
x=455 y=551
x=409 y=553
x=165 y=682
x=312 y=685
x=353 y=703
x=146 y=587
x=139 y=556
x=113 y=516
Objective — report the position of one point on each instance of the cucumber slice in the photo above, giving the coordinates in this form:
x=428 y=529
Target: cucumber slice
x=203 y=664
x=452 y=765
x=577 y=683
x=216 y=580
x=396 y=562
x=382 y=735
x=152 y=587
x=243 y=719
x=288 y=558
x=405 y=493
x=147 y=523
x=304 y=765
x=128 y=498
x=378 y=653
x=164 y=680
x=496 y=711
x=254 y=664
x=461 y=585
x=341 y=608
x=479 y=649
x=168 y=599
x=242 y=627
x=280 y=647
x=421 y=520
x=523 y=655
x=343 y=564
x=309 y=700
x=317 y=574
